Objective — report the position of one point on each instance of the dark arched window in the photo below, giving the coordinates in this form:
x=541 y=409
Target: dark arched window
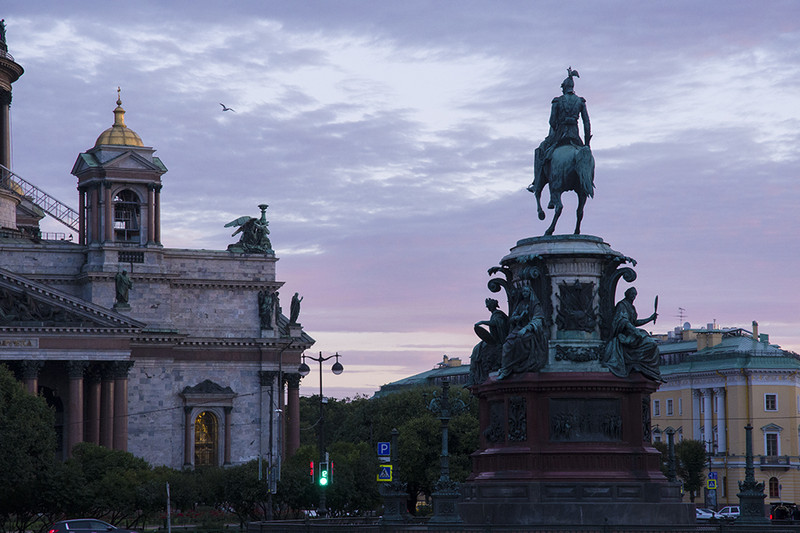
x=206 y=448
x=126 y=216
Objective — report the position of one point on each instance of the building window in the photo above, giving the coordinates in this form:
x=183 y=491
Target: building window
x=770 y=402
x=669 y=407
x=656 y=407
x=774 y=488
x=205 y=439
x=771 y=444
x=680 y=406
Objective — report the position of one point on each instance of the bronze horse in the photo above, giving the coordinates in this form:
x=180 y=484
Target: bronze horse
x=571 y=168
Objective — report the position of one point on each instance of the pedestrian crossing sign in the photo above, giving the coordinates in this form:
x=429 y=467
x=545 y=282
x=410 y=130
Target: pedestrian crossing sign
x=385 y=473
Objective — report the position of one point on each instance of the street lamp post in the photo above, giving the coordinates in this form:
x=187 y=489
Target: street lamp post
x=304 y=370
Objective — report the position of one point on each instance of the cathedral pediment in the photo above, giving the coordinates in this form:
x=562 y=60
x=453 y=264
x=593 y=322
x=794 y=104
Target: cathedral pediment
x=26 y=303
x=117 y=159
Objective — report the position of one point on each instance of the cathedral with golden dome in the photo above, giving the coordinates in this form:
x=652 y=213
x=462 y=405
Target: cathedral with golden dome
x=169 y=354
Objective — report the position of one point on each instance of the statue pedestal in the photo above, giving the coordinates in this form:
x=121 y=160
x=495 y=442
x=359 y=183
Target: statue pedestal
x=571 y=449
x=569 y=444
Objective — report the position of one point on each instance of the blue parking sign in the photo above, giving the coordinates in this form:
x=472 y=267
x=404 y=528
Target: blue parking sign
x=384 y=449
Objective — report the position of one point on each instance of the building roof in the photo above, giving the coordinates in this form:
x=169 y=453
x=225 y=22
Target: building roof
x=734 y=351
x=455 y=373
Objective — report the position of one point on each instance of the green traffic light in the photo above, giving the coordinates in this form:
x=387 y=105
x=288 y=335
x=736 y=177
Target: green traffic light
x=323 y=478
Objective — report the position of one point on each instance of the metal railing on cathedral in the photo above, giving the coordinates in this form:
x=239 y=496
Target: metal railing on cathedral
x=47 y=203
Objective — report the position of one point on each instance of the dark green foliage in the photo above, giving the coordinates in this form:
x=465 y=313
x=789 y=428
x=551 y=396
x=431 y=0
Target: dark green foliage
x=27 y=458
x=365 y=422
x=295 y=490
x=37 y=490
x=664 y=461
x=691 y=458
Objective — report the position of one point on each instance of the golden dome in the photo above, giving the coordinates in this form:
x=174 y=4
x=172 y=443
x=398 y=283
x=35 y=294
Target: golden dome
x=119 y=134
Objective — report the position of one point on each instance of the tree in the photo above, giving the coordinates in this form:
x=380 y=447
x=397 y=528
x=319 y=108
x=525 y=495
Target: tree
x=691 y=458
x=27 y=456
x=113 y=479
x=363 y=422
x=296 y=490
x=354 y=486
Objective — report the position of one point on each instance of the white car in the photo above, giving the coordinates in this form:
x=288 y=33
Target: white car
x=730 y=512
x=706 y=515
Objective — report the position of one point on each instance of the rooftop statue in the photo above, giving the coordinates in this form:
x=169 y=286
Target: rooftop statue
x=564 y=161
x=122 y=285
x=294 y=308
x=631 y=348
x=254 y=232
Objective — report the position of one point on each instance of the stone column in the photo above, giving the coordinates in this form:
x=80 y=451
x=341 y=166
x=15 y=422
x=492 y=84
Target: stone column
x=75 y=371
x=151 y=213
x=107 y=406
x=722 y=421
x=30 y=375
x=269 y=378
x=109 y=208
x=5 y=129
x=697 y=422
x=93 y=414
x=708 y=421
x=157 y=215
x=120 y=370
x=227 y=453
x=94 y=212
x=188 y=437
x=292 y=414
x=81 y=215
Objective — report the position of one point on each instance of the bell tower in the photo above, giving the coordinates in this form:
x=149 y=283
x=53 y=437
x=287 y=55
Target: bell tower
x=119 y=185
x=10 y=71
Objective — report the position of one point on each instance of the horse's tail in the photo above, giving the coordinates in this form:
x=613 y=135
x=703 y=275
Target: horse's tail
x=584 y=167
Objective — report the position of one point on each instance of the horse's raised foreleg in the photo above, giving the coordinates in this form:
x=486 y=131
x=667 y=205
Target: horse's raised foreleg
x=581 y=203
x=539 y=210
x=558 y=206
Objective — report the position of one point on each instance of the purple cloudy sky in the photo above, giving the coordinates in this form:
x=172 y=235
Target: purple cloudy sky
x=393 y=142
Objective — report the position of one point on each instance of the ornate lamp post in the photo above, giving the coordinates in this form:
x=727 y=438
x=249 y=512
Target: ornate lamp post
x=751 y=493
x=304 y=370
x=446 y=493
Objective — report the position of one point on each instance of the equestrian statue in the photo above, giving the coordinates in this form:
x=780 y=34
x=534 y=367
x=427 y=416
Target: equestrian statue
x=563 y=161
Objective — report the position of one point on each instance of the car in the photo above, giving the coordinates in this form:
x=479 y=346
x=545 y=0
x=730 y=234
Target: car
x=706 y=515
x=85 y=525
x=731 y=512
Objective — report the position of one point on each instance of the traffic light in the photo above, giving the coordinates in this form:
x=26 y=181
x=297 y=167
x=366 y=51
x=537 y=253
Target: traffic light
x=311 y=470
x=323 y=474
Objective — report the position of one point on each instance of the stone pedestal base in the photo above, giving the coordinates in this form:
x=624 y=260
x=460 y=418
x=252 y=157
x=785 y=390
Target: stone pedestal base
x=394 y=506
x=574 y=504
x=445 y=509
x=568 y=448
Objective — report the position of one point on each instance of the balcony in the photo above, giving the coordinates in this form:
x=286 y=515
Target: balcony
x=775 y=461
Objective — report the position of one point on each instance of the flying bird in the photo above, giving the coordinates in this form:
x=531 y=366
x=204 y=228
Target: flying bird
x=224 y=108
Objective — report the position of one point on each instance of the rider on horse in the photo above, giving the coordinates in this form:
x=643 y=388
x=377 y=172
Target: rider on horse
x=564 y=114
